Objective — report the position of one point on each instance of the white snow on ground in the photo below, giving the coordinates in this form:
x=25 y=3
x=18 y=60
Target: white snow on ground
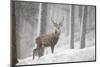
x=63 y=54
x=68 y=55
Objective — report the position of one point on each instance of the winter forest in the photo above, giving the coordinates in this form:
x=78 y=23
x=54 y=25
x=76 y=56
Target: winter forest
x=76 y=32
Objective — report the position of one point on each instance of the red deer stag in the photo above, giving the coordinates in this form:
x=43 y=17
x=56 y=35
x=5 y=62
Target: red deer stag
x=48 y=40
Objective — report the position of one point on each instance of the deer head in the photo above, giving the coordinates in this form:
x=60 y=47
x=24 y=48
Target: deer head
x=58 y=26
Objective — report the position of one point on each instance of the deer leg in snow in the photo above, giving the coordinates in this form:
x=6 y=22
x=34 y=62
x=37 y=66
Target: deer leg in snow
x=33 y=54
x=39 y=52
x=52 y=49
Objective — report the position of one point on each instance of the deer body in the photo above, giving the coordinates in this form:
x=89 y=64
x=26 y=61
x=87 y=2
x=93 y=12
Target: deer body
x=49 y=39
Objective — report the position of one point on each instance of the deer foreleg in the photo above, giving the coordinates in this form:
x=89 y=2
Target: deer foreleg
x=52 y=49
x=33 y=56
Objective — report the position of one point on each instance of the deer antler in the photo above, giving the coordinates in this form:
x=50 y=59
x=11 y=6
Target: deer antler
x=53 y=22
x=61 y=21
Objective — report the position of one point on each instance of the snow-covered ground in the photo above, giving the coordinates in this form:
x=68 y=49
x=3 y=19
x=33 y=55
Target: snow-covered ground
x=68 y=55
x=63 y=54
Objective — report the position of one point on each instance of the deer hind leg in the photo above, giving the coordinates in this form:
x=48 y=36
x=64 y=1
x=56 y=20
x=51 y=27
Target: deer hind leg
x=52 y=49
x=39 y=52
x=34 y=53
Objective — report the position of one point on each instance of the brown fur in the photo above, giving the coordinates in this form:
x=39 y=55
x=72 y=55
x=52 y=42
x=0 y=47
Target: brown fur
x=47 y=40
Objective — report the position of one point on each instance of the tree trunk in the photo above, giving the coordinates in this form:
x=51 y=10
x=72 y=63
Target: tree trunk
x=80 y=13
x=13 y=34
x=83 y=26
x=72 y=8
x=43 y=18
x=42 y=23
